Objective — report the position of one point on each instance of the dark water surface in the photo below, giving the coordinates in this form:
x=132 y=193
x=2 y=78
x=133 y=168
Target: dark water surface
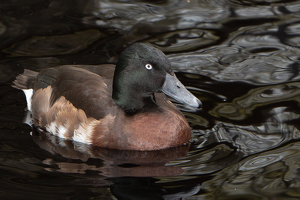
x=240 y=57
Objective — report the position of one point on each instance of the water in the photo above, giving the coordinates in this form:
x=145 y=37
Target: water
x=241 y=58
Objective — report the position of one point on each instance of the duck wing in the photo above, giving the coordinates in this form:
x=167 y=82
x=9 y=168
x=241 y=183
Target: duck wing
x=86 y=87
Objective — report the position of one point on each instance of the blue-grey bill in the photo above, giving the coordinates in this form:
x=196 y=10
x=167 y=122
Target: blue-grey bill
x=175 y=89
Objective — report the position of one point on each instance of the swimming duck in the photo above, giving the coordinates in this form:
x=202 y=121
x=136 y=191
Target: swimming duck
x=118 y=106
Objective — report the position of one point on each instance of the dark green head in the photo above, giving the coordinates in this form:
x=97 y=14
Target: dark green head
x=141 y=71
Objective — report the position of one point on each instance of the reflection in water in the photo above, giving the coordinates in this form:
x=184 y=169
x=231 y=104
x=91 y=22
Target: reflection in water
x=274 y=174
x=243 y=107
x=241 y=58
x=110 y=162
x=183 y=40
x=55 y=45
x=144 y=188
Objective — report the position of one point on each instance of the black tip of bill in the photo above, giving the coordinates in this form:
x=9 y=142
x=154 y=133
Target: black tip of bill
x=175 y=89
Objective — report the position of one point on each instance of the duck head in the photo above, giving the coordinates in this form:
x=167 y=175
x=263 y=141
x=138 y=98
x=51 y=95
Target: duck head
x=141 y=71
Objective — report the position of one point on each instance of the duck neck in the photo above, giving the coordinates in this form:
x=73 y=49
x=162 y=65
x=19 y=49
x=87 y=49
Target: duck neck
x=132 y=102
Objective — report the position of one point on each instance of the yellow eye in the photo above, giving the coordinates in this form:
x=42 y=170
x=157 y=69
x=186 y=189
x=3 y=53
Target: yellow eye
x=148 y=66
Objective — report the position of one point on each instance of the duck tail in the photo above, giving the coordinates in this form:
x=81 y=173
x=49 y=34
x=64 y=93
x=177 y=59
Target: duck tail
x=26 y=80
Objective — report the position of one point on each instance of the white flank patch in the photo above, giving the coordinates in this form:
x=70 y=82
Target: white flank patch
x=61 y=131
x=58 y=130
x=51 y=128
x=28 y=93
x=84 y=132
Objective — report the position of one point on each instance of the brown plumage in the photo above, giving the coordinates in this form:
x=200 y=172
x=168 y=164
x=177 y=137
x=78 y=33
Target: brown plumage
x=85 y=103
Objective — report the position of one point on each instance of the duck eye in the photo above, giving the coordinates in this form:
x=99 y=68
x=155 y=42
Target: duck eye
x=148 y=66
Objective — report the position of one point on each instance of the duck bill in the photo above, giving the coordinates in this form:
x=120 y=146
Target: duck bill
x=175 y=89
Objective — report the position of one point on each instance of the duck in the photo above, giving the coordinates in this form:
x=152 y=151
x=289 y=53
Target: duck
x=122 y=106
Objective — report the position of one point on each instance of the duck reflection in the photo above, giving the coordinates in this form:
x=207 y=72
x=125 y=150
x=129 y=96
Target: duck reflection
x=145 y=188
x=128 y=173
x=108 y=162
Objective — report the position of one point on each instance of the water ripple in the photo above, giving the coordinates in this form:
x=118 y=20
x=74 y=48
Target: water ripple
x=241 y=58
x=54 y=45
